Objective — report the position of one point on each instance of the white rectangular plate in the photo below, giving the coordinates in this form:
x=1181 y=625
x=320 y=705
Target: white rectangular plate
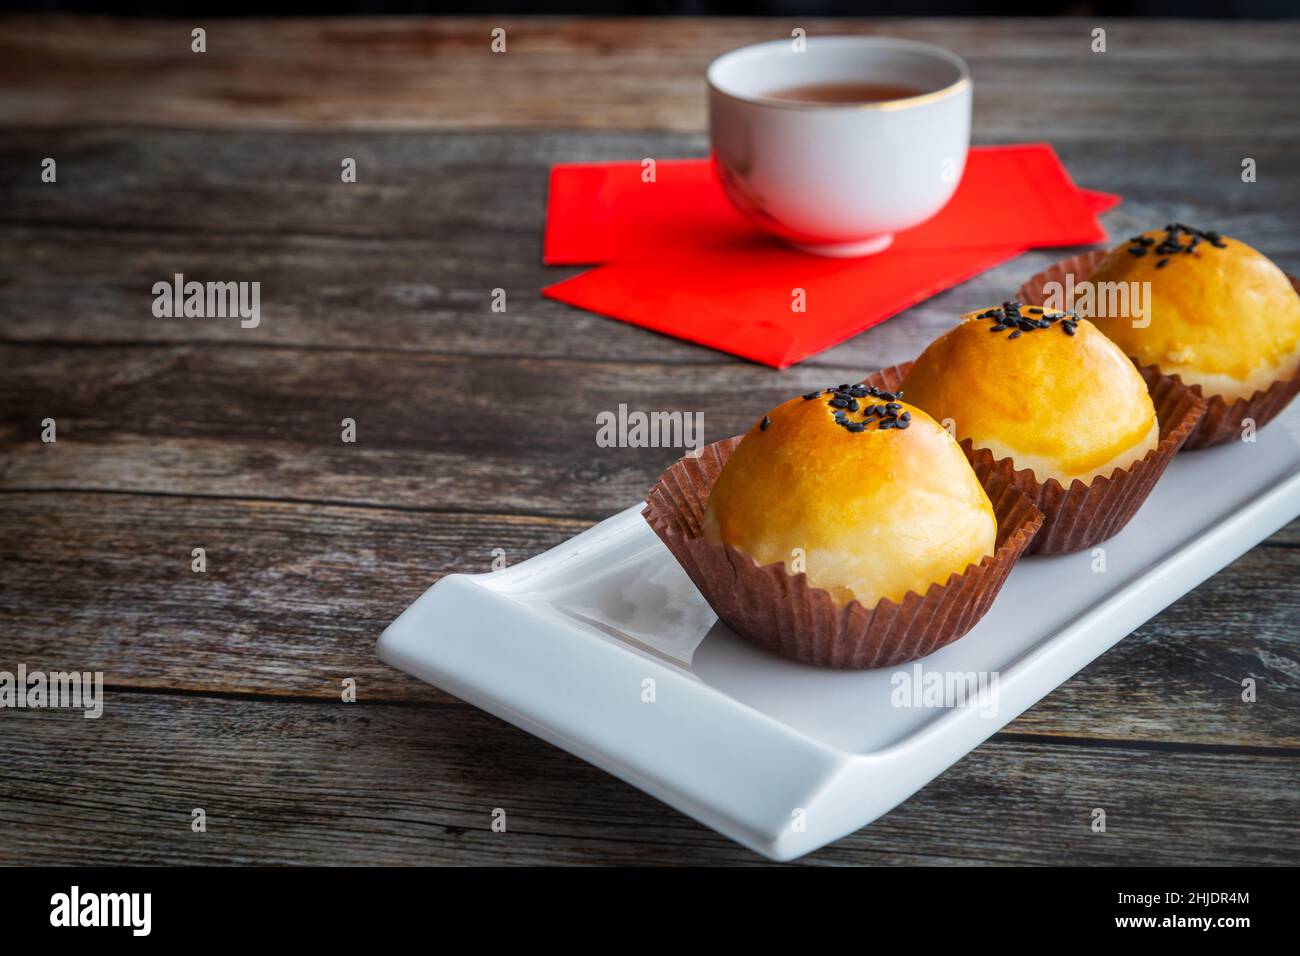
x=784 y=757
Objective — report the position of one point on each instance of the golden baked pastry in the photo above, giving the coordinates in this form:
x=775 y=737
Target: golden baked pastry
x=1221 y=315
x=1043 y=388
x=864 y=492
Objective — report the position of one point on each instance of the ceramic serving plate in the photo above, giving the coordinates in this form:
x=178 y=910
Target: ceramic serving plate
x=603 y=646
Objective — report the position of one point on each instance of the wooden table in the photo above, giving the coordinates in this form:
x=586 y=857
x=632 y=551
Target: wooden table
x=174 y=434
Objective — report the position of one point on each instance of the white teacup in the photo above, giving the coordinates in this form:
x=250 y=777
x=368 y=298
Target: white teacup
x=839 y=179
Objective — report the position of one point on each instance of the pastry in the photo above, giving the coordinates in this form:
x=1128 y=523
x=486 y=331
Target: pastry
x=844 y=529
x=864 y=492
x=1043 y=402
x=1219 y=316
x=1222 y=316
x=1041 y=387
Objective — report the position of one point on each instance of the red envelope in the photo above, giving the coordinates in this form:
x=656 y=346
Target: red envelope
x=1099 y=202
x=680 y=259
x=1009 y=195
x=742 y=299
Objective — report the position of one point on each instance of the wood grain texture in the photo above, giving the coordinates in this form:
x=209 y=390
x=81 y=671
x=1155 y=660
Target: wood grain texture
x=176 y=434
x=295 y=594
x=1155 y=80
x=432 y=432
x=391 y=263
x=266 y=423
x=329 y=783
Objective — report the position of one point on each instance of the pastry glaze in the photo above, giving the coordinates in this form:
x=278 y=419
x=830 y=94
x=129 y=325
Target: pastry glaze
x=874 y=513
x=1226 y=319
x=1066 y=406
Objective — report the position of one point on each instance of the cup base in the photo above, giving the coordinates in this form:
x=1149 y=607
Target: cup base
x=848 y=250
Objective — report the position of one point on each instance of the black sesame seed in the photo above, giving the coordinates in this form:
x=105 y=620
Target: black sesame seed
x=810 y=396
x=997 y=328
x=1069 y=328
x=903 y=422
x=856 y=426
x=905 y=417
x=887 y=423
x=1162 y=263
x=1015 y=335
x=839 y=403
x=767 y=420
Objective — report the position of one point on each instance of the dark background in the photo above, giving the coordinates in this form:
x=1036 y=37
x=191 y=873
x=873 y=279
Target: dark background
x=1254 y=9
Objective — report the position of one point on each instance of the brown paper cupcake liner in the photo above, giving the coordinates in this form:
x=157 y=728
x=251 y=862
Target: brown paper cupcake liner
x=1082 y=515
x=783 y=613
x=1222 y=421
x=1080 y=266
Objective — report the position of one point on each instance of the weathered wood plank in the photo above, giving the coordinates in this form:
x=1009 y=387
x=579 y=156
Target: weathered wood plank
x=295 y=595
x=352 y=783
x=357 y=279
x=291 y=602
x=463 y=192
x=433 y=432
x=1033 y=78
x=407 y=259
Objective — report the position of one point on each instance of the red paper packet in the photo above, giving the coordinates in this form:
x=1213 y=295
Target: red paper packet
x=742 y=299
x=680 y=260
x=1009 y=196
